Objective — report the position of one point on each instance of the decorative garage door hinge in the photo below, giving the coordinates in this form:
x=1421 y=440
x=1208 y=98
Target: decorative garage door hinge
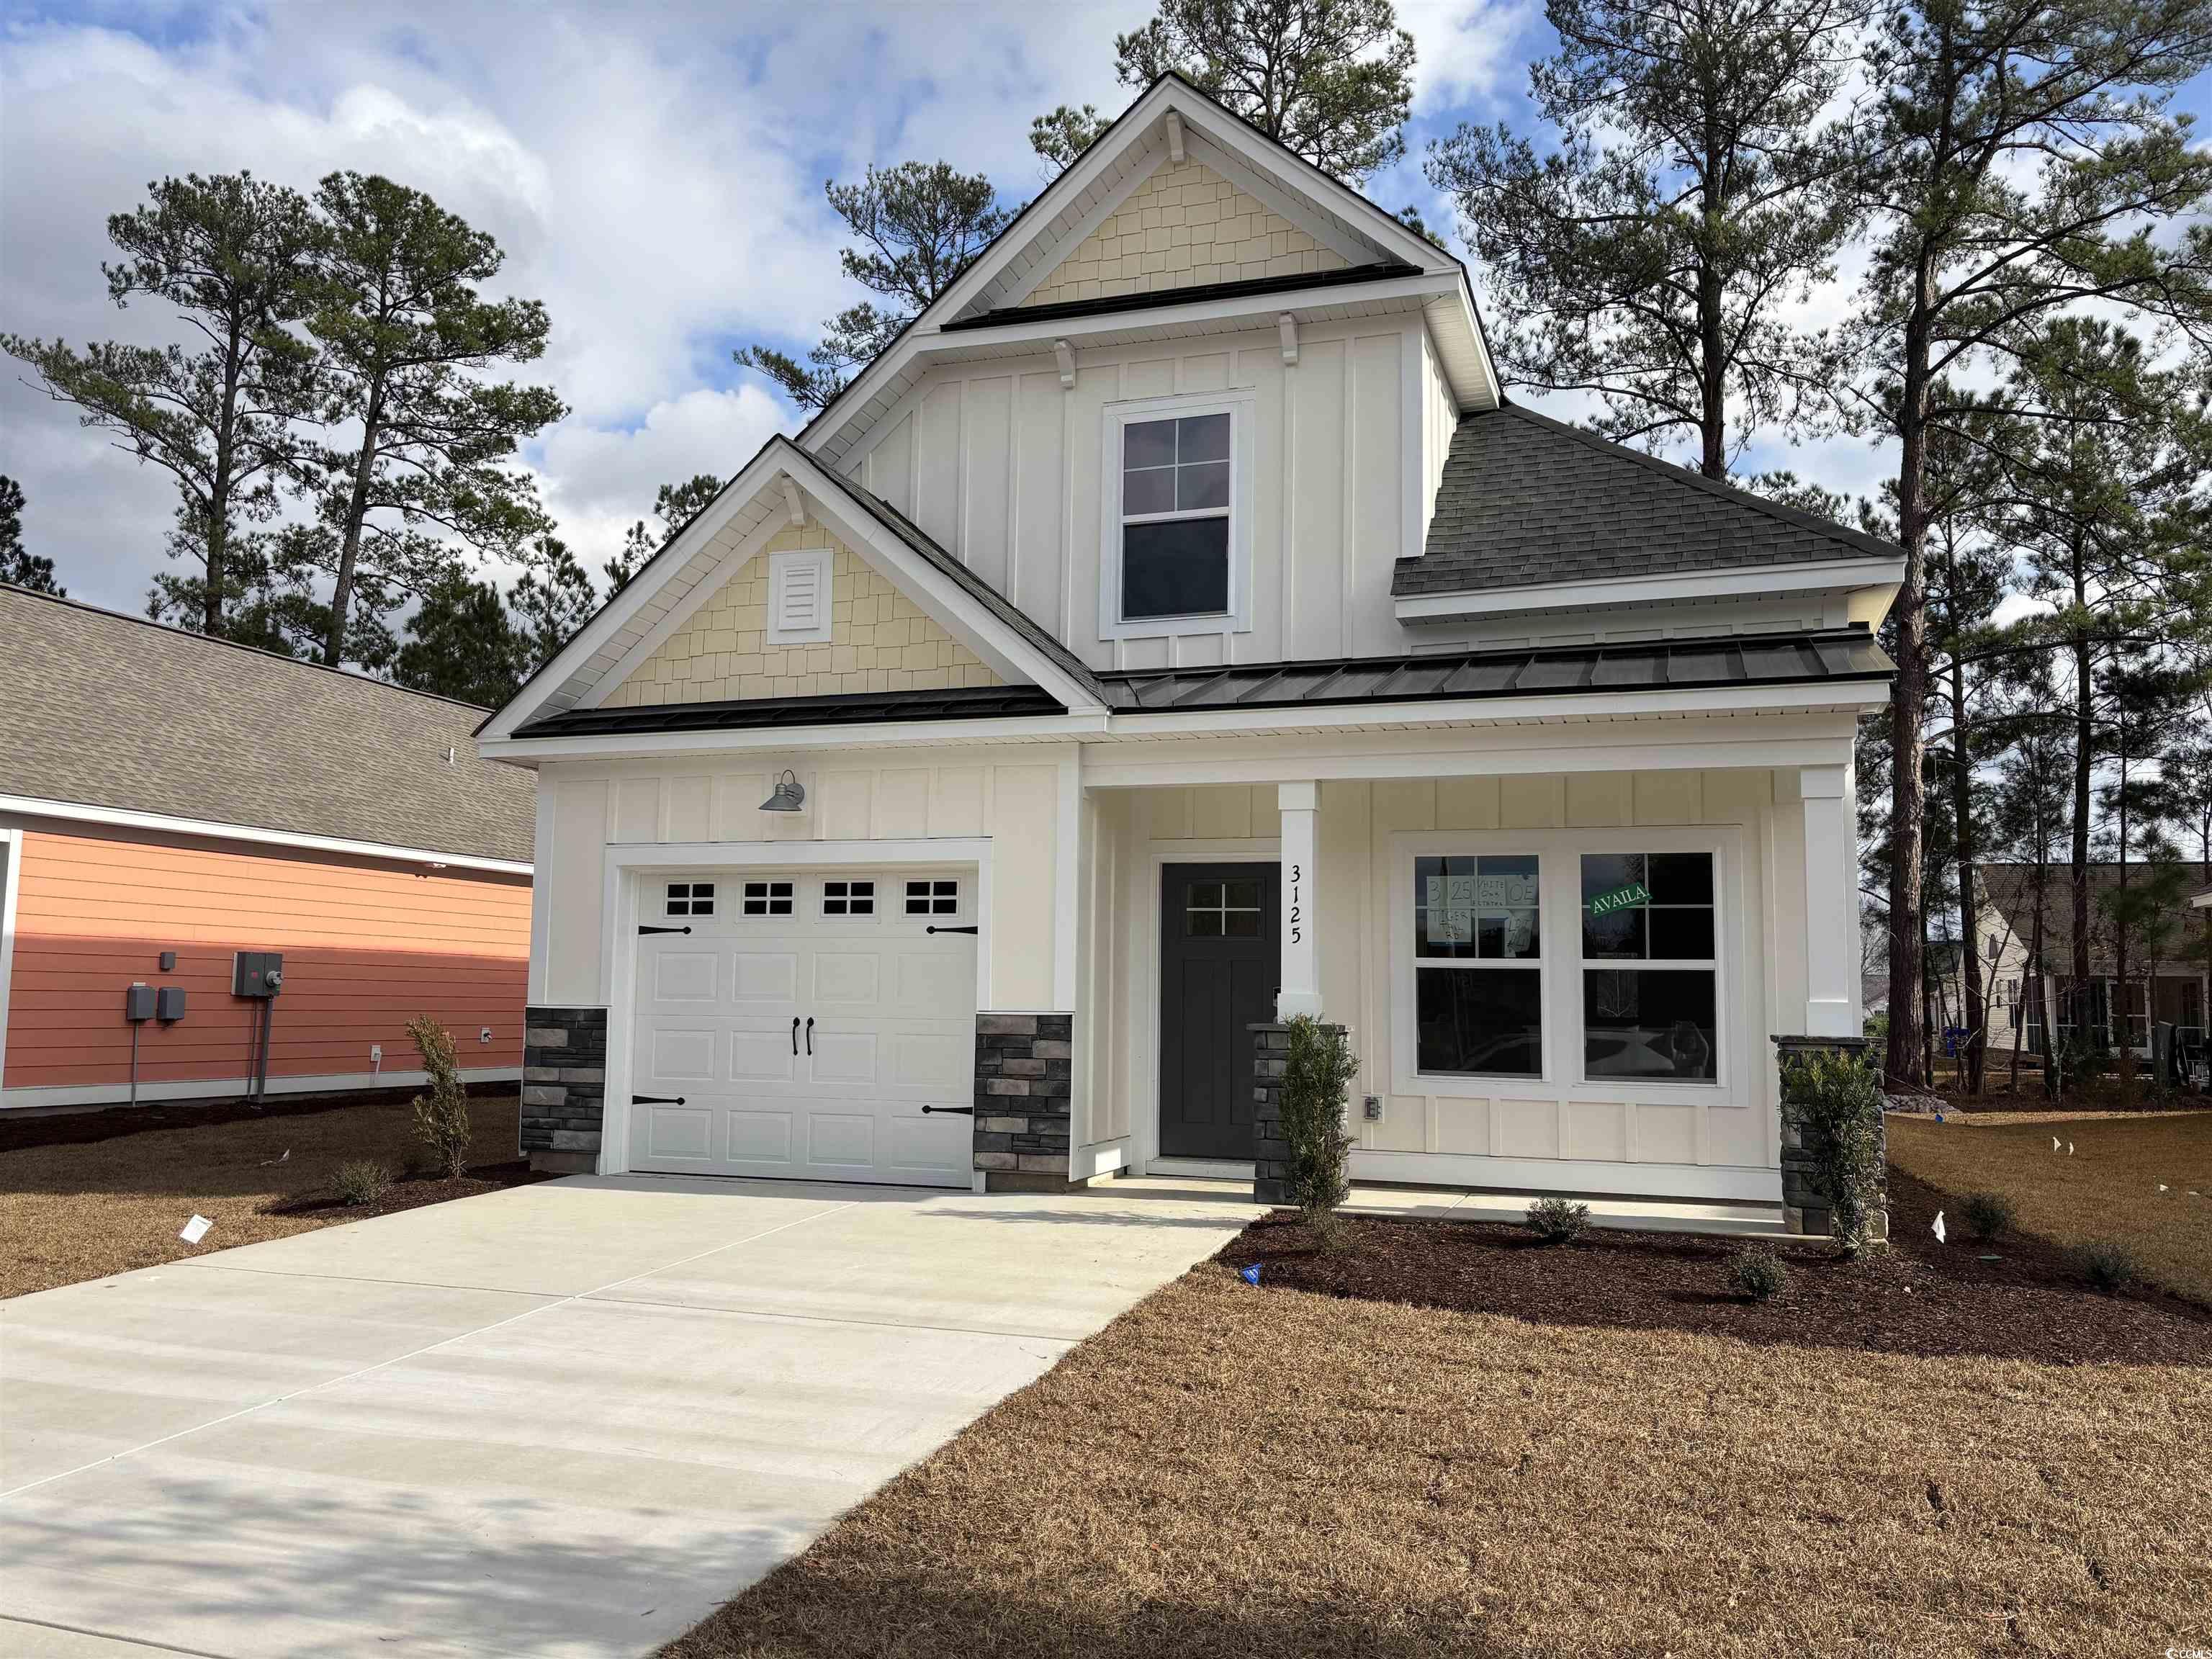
x=949 y=930
x=663 y=930
x=656 y=1100
x=965 y=1111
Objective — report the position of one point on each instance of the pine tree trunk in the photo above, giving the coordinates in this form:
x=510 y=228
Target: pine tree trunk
x=1908 y=706
x=2084 y=761
x=1973 y=1007
x=349 y=546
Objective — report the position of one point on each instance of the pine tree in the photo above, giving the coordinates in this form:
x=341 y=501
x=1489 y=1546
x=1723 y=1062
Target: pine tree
x=2020 y=159
x=1698 y=191
x=18 y=566
x=406 y=341
x=229 y=255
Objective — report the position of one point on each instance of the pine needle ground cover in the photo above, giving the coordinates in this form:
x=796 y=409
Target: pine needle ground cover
x=1392 y=1449
x=2106 y=1190
x=74 y=1211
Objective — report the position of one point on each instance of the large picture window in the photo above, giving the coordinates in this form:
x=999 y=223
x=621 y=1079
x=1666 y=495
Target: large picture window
x=1478 y=979
x=1175 y=518
x=1650 y=984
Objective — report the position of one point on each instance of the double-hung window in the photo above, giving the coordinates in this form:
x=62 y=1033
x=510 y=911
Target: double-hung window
x=1478 y=968
x=1650 y=998
x=1175 y=559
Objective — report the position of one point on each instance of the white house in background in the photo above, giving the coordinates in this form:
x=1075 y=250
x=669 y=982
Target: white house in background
x=1175 y=625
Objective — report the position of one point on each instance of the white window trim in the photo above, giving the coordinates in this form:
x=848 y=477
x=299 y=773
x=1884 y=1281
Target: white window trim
x=1559 y=889
x=1242 y=410
x=821 y=559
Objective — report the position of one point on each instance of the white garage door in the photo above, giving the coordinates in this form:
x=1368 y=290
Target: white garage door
x=799 y=1023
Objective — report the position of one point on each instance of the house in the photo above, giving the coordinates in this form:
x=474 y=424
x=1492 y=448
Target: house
x=168 y=801
x=2166 y=982
x=1174 y=629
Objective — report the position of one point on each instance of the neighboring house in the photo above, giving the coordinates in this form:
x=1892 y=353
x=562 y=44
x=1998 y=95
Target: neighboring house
x=1172 y=626
x=2170 y=987
x=162 y=792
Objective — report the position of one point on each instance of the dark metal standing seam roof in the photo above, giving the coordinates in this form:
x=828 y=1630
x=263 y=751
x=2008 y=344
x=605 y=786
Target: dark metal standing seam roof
x=851 y=708
x=1834 y=656
x=1526 y=500
x=1248 y=288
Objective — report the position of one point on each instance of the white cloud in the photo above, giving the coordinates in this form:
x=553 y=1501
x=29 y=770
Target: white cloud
x=1466 y=49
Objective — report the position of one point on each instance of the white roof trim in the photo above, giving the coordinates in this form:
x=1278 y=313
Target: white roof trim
x=162 y=822
x=1744 y=582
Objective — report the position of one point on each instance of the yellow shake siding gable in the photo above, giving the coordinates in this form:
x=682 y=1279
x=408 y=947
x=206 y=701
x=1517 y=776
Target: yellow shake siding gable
x=1184 y=225
x=880 y=642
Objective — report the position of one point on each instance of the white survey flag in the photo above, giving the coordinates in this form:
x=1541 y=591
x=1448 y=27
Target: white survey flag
x=2054 y=1143
x=195 y=1230
x=1941 y=1237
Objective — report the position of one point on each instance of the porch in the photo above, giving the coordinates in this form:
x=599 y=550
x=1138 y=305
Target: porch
x=1554 y=979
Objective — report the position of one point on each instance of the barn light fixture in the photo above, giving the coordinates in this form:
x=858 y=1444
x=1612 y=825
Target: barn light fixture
x=790 y=795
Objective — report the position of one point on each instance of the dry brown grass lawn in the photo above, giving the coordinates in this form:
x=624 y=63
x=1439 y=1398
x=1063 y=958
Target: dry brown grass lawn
x=1230 y=1472
x=74 y=1212
x=2108 y=1190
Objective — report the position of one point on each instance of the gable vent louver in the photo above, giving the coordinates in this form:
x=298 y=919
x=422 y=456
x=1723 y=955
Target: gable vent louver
x=801 y=611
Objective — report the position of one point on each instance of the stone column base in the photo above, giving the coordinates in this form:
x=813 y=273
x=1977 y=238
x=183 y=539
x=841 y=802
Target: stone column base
x=1804 y=1209
x=1271 y=1153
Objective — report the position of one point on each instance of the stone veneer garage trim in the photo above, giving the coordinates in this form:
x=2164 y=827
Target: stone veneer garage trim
x=1024 y=1066
x=564 y=1088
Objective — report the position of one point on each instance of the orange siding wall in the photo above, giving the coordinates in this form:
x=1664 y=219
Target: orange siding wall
x=366 y=946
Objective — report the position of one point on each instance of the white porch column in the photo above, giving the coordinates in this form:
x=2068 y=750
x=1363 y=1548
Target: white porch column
x=1832 y=914
x=1301 y=989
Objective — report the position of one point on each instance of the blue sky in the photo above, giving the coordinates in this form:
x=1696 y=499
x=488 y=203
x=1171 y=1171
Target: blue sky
x=654 y=172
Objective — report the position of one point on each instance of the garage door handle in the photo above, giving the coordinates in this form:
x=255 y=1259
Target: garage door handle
x=965 y=1111
x=663 y=930
x=656 y=1100
x=794 y=1034
x=949 y=930
x=809 y=1034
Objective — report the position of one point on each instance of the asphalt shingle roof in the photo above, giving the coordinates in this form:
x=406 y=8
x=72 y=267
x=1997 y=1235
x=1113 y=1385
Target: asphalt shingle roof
x=1526 y=500
x=101 y=710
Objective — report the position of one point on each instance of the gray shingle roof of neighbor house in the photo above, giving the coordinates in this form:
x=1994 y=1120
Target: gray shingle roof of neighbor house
x=101 y=710
x=1526 y=500
x=2009 y=888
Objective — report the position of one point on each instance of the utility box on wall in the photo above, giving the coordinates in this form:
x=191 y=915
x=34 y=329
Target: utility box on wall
x=137 y=1003
x=257 y=974
x=169 y=1004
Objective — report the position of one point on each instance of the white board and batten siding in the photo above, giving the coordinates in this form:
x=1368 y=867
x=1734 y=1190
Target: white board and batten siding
x=1014 y=800
x=1002 y=466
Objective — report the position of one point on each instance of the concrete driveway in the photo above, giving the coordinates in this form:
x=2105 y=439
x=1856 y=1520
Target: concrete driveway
x=565 y=1419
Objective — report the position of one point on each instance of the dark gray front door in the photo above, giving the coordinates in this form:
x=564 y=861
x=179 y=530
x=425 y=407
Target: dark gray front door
x=1220 y=962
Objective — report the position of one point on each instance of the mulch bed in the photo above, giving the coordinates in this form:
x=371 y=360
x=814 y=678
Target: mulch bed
x=83 y=1128
x=1918 y=1297
x=412 y=1191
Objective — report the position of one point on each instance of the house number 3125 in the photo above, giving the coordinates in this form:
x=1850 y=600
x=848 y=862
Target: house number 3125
x=1298 y=915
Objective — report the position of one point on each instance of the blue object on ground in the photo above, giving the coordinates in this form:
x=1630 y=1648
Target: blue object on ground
x=1251 y=1275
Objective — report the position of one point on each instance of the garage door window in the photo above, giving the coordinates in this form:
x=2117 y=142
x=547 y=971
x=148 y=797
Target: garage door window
x=848 y=898
x=932 y=899
x=768 y=898
x=690 y=898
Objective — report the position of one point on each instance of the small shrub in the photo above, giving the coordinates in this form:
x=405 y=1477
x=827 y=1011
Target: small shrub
x=1316 y=1077
x=441 y=1117
x=1556 y=1220
x=2108 y=1267
x=1836 y=1102
x=1987 y=1215
x=1757 y=1274
x=361 y=1180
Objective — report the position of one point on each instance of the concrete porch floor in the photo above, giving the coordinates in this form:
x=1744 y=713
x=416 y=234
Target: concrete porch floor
x=1657 y=1215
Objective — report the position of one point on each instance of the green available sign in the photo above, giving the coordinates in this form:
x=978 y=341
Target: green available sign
x=1620 y=898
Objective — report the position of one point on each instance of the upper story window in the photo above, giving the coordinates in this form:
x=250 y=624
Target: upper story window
x=1175 y=518
x=1175 y=556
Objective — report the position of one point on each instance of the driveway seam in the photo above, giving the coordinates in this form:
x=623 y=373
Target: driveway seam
x=825 y=1319
x=414 y=1353
x=109 y=1636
